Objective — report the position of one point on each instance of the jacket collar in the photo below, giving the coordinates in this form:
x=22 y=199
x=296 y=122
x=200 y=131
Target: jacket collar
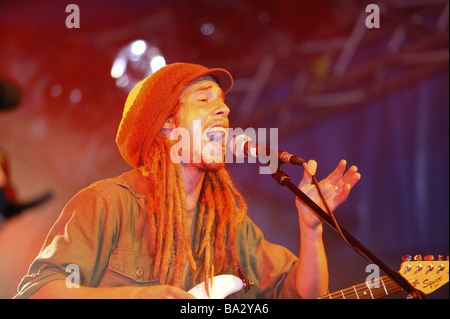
x=134 y=182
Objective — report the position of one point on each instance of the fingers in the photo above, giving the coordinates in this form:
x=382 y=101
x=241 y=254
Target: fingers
x=342 y=195
x=337 y=173
x=336 y=180
x=312 y=167
x=354 y=179
x=351 y=177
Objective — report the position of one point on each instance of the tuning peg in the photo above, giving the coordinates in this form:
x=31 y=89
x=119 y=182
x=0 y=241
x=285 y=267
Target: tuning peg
x=418 y=257
x=429 y=258
x=407 y=258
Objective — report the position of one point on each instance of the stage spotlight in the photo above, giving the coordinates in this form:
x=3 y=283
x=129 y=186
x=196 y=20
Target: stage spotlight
x=138 y=47
x=207 y=28
x=75 y=96
x=157 y=63
x=134 y=62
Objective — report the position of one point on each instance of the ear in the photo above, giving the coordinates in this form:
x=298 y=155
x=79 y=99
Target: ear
x=168 y=126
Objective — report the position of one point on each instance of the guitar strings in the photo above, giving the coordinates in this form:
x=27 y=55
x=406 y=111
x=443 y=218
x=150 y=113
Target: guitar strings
x=357 y=290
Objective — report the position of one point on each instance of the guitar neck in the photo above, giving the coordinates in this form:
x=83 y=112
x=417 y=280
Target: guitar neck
x=379 y=288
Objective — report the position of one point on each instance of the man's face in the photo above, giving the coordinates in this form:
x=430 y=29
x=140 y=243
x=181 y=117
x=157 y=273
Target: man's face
x=203 y=114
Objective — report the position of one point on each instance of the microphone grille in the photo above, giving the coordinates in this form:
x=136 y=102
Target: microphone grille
x=237 y=145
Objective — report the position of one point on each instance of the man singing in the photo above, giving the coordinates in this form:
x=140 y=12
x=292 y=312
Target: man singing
x=176 y=219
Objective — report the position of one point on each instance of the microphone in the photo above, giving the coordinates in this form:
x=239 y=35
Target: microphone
x=242 y=145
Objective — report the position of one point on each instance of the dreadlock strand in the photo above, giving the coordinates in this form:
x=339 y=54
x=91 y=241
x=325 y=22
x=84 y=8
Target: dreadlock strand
x=220 y=227
x=199 y=226
x=167 y=244
x=205 y=245
x=179 y=230
x=154 y=170
x=233 y=214
x=187 y=245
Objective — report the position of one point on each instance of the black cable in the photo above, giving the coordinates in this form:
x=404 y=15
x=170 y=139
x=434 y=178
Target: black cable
x=336 y=224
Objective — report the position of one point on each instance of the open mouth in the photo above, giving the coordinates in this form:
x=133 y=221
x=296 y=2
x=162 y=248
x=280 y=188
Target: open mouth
x=216 y=134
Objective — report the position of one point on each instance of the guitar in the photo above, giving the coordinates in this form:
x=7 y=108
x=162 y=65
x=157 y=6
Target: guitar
x=222 y=286
x=426 y=276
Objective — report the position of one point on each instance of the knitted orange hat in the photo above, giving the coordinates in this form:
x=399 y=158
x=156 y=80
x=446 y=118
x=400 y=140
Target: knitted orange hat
x=152 y=101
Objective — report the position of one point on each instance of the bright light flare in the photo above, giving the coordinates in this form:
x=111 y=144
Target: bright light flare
x=134 y=62
x=157 y=63
x=138 y=47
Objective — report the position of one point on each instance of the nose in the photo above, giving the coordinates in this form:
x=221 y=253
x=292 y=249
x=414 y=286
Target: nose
x=221 y=109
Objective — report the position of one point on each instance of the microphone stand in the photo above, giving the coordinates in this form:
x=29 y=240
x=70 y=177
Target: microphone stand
x=284 y=180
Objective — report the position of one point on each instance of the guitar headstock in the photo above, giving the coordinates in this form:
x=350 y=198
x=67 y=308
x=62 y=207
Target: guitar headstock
x=425 y=274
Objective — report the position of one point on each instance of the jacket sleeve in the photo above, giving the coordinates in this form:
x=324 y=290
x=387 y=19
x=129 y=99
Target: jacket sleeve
x=272 y=267
x=78 y=246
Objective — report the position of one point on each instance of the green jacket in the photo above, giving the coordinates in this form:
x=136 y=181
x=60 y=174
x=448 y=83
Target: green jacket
x=103 y=232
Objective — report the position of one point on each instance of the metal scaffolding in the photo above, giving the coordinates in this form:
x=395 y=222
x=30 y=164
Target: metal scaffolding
x=348 y=71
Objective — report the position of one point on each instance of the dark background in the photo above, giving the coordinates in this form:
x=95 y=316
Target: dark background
x=312 y=69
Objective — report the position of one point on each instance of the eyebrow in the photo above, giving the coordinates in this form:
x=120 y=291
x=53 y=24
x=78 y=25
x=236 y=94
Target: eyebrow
x=206 y=87
x=203 y=87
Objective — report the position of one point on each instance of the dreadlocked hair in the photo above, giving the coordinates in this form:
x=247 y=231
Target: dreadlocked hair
x=221 y=208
